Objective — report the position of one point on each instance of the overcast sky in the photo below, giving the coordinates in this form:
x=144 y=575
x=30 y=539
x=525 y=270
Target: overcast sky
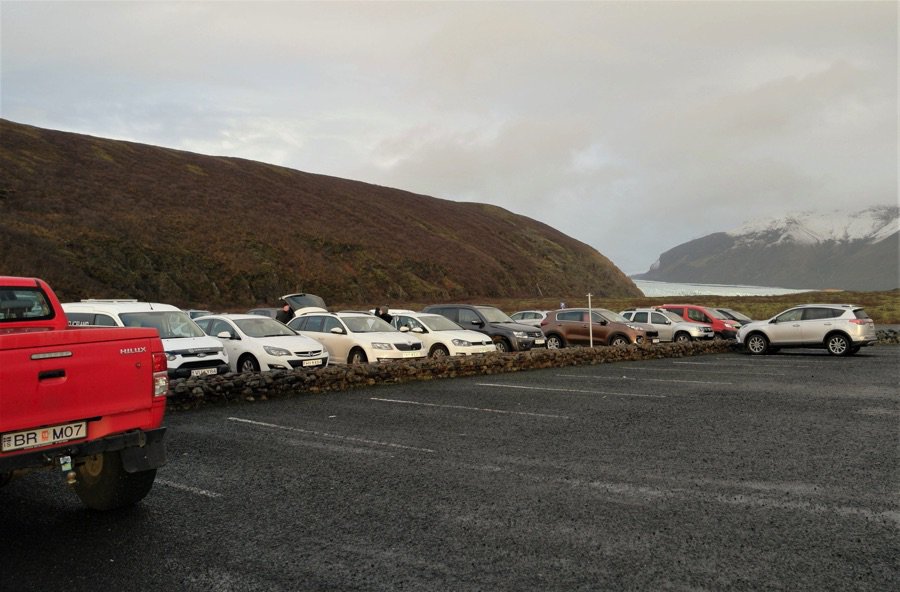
x=631 y=126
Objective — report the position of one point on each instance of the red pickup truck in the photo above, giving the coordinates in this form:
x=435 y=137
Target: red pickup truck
x=87 y=402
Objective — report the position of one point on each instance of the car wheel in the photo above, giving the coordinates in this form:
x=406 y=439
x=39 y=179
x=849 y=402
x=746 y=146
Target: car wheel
x=838 y=345
x=555 y=342
x=682 y=337
x=102 y=482
x=618 y=341
x=247 y=363
x=357 y=356
x=757 y=344
x=438 y=351
x=502 y=345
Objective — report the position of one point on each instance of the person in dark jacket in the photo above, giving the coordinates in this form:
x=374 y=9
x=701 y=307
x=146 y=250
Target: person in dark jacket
x=383 y=314
x=285 y=314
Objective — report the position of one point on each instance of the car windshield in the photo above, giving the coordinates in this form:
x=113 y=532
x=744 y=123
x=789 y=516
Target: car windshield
x=169 y=324
x=439 y=323
x=263 y=327
x=494 y=315
x=367 y=324
x=671 y=316
x=610 y=315
x=715 y=313
x=298 y=301
x=737 y=316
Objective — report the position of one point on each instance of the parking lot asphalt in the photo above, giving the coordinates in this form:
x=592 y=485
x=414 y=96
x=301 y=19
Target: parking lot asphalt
x=724 y=472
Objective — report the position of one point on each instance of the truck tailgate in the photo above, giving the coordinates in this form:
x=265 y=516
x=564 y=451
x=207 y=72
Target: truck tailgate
x=53 y=377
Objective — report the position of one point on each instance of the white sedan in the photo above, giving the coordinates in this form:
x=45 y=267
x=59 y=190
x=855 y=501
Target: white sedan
x=441 y=336
x=256 y=343
x=358 y=337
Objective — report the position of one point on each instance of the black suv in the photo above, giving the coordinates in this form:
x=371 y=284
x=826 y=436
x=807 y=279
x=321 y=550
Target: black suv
x=507 y=334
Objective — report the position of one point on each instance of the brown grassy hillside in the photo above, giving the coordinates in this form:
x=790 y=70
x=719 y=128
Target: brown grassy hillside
x=104 y=218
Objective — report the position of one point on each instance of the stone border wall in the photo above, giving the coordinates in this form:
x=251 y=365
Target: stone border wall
x=191 y=393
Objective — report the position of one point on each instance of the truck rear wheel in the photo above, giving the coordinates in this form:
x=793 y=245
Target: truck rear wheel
x=104 y=484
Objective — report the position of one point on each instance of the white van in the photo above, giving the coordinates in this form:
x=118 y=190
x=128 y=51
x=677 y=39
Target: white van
x=189 y=350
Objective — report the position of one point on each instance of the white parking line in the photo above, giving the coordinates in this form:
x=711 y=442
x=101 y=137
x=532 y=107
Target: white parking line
x=188 y=488
x=470 y=408
x=643 y=379
x=577 y=391
x=327 y=435
x=670 y=369
x=731 y=365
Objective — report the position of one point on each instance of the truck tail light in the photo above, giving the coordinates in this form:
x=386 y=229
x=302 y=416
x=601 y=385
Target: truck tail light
x=160 y=375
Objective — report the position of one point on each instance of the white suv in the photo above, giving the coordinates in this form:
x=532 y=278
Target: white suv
x=189 y=350
x=839 y=328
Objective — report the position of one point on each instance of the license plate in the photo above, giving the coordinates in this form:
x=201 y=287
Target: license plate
x=655 y=340
x=312 y=362
x=411 y=354
x=44 y=436
x=539 y=342
x=203 y=371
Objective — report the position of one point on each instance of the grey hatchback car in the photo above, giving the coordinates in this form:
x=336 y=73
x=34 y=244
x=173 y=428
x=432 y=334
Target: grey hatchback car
x=842 y=329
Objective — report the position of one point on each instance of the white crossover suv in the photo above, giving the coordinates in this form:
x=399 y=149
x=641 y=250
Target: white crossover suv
x=842 y=329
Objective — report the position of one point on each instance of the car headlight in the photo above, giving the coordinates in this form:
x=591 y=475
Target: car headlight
x=382 y=346
x=276 y=351
x=520 y=334
x=462 y=343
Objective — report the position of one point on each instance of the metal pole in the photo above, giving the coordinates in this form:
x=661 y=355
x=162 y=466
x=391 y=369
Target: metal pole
x=590 y=321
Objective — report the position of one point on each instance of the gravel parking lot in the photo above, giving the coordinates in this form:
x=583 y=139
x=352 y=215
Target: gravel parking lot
x=725 y=472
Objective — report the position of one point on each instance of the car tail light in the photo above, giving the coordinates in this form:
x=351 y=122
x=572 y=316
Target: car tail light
x=160 y=375
x=860 y=321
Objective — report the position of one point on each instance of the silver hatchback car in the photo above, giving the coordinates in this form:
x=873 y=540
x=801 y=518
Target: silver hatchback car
x=839 y=328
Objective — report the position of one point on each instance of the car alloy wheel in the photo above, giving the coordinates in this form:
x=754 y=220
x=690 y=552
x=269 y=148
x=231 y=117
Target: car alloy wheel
x=757 y=344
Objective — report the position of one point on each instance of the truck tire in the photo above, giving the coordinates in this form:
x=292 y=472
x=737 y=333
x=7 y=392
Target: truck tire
x=103 y=483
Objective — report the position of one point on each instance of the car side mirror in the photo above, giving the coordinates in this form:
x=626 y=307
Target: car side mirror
x=478 y=323
x=604 y=322
x=403 y=329
x=224 y=335
x=418 y=330
x=337 y=330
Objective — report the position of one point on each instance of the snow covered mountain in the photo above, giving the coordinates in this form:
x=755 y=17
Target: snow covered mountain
x=842 y=249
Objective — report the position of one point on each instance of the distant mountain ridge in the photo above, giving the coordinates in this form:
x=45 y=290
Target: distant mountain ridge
x=840 y=249
x=102 y=218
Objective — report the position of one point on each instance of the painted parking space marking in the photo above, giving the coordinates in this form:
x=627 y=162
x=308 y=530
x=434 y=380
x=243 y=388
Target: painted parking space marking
x=693 y=371
x=642 y=379
x=575 y=391
x=461 y=407
x=728 y=364
x=188 y=488
x=328 y=435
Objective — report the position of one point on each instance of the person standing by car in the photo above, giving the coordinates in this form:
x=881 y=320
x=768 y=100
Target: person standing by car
x=383 y=314
x=285 y=314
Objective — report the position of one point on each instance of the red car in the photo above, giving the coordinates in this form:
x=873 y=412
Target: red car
x=722 y=327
